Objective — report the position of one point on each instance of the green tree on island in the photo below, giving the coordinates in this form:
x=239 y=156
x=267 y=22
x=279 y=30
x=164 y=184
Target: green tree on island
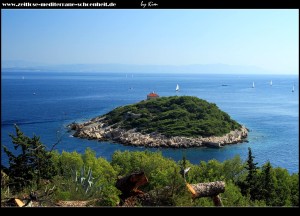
x=173 y=116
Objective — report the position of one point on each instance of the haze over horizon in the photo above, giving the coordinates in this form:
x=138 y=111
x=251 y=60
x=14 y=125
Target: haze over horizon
x=262 y=41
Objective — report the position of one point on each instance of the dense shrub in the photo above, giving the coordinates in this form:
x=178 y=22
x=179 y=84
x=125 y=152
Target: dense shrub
x=174 y=116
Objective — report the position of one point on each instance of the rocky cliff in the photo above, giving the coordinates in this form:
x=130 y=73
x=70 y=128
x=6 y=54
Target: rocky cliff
x=98 y=129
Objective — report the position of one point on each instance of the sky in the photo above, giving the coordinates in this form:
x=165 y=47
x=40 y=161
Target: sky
x=268 y=39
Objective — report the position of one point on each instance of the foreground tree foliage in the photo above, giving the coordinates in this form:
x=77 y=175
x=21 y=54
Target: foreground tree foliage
x=74 y=176
x=31 y=164
x=251 y=184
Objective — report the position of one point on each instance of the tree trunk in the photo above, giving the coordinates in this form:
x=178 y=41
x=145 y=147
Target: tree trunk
x=217 y=200
x=209 y=189
x=128 y=185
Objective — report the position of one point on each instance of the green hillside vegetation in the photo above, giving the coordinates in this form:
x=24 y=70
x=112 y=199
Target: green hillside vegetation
x=66 y=174
x=174 y=116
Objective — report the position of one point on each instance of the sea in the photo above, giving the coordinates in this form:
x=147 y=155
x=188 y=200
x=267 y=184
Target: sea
x=44 y=103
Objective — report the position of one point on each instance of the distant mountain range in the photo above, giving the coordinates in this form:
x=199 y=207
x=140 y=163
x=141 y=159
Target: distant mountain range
x=126 y=68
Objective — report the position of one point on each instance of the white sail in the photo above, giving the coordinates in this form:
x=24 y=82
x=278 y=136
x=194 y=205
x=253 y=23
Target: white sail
x=271 y=83
x=177 y=87
x=253 y=85
x=293 y=88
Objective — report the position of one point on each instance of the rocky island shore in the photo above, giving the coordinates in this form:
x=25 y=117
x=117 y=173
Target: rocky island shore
x=98 y=130
x=170 y=122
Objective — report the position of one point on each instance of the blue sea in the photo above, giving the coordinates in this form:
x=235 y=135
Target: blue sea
x=44 y=103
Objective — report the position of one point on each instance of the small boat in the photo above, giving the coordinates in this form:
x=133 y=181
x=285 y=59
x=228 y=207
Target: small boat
x=253 y=86
x=213 y=145
x=177 y=87
x=271 y=83
x=293 y=88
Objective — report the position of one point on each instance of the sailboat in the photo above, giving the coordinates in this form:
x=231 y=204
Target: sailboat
x=271 y=83
x=253 y=86
x=293 y=88
x=177 y=87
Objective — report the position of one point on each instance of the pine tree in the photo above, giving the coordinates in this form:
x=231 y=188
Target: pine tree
x=251 y=179
x=251 y=166
x=32 y=164
x=268 y=183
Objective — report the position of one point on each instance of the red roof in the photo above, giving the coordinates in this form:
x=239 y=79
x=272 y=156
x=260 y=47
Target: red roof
x=152 y=95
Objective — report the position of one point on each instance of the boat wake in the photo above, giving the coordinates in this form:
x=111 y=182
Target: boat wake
x=23 y=122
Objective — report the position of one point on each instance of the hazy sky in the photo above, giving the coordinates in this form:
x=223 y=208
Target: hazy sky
x=265 y=38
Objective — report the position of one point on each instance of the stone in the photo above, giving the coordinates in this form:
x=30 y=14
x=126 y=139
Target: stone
x=97 y=129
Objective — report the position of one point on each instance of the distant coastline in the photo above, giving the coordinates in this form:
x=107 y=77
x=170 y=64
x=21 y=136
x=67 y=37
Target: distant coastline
x=132 y=68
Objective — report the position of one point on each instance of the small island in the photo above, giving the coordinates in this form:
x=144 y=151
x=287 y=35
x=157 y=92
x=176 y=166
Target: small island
x=171 y=122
